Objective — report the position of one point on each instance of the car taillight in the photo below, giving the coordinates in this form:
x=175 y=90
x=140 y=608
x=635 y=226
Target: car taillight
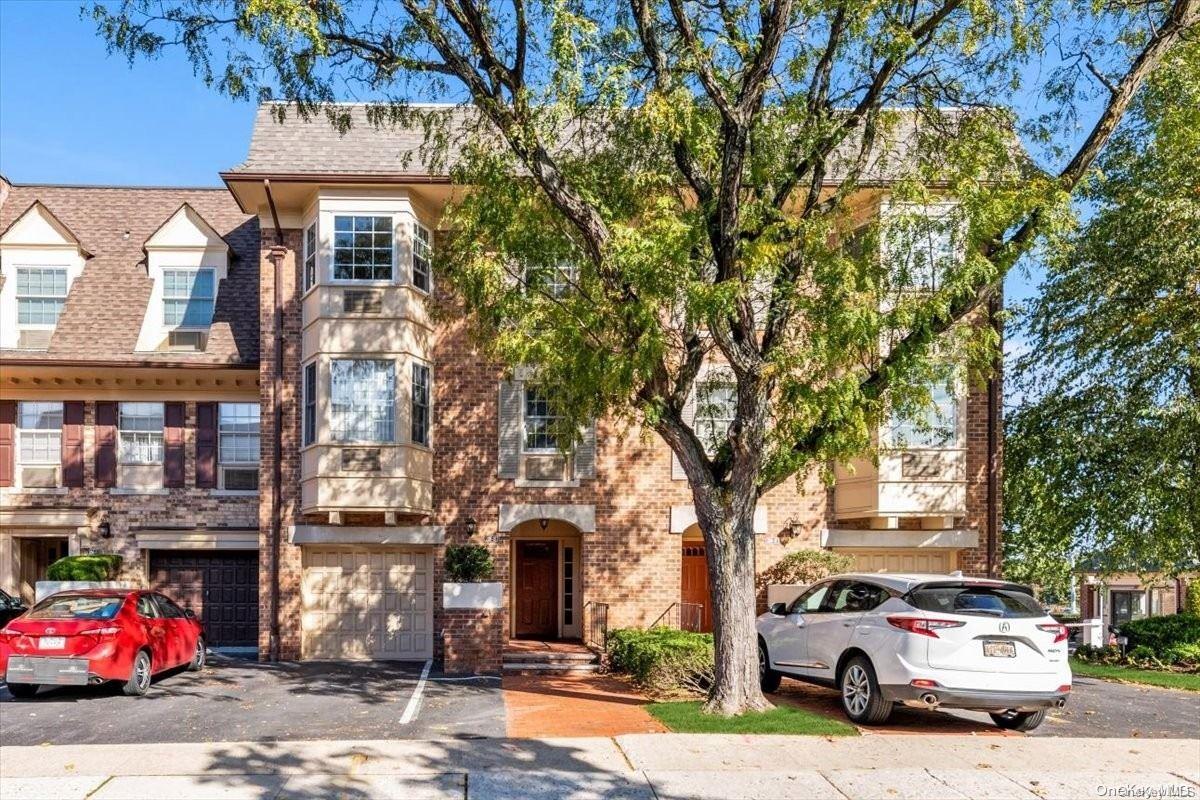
x=7 y=635
x=104 y=633
x=1059 y=631
x=1065 y=688
x=925 y=627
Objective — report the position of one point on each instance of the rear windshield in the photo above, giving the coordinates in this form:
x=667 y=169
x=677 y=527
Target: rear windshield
x=76 y=606
x=983 y=600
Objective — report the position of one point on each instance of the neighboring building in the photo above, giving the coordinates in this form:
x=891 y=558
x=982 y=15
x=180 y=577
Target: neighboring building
x=1120 y=597
x=394 y=438
x=129 y=392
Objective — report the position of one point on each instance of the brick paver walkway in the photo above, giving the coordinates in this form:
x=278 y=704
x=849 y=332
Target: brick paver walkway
x=574 y=705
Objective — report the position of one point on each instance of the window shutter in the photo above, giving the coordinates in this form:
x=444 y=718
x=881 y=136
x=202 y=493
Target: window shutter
x=689 y=419
x=8 y=436
x=206 y=445
x=106 y=444
x=72 y=443
x=509 y=462
x=585 y=453
x=173 y=445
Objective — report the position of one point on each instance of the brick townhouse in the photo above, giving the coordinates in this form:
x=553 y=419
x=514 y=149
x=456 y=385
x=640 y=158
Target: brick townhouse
x=296 y=307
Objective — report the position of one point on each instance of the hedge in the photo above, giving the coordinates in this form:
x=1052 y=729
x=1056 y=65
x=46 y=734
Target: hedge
x=1162 y=635
x=804 y=567
x=94 y=567
x=663 y=660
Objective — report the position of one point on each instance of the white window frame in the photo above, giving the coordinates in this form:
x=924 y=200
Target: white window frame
x=61 y=299
x=899 y=430
x=311 y=245
x=703 y=415
x=345 y=433
x=422 y=248
x=528 y=391
x=427 y=439
x=167 y=300
x=51 y=434
x=222 y=461
x=333 y=250
x=309 y=393
x=129 y=439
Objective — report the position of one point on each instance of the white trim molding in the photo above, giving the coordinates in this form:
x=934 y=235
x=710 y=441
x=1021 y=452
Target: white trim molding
x=684 y=517
x=366 y=534
x=197 y=539
x=582 y=517
x=47 y=518
x=953 y=539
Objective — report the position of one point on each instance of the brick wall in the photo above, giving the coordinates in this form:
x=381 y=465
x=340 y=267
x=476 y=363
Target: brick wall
x=472 y=640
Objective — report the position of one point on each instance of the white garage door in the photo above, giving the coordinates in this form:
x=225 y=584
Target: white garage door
x=362 y=603
x=936 y=561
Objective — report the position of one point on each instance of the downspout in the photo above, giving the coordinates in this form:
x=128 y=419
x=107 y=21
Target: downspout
x=994 y=411
x=276 y=255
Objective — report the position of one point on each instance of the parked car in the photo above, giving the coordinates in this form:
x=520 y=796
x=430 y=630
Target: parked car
x=926 y=641
x=10 y=607
x=94 y=635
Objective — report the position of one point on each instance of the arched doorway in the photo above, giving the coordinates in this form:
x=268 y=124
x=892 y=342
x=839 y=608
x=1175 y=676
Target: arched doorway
x=546 y=590
x=695 y=602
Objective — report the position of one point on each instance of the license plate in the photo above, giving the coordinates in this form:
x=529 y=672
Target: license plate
x=1000 y=649
x=52 y=642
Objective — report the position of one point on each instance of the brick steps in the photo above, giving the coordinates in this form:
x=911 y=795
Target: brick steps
x=558 y=662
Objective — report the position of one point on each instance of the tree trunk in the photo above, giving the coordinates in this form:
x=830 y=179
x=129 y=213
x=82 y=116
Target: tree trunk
x=728 y=527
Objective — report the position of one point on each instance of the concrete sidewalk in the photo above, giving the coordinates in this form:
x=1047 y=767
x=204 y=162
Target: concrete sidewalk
x=634 y=767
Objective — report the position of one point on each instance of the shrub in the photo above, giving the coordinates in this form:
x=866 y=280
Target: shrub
x=805 y=566
x=1186 y=655
x=1191 y=597
x=663 y=660
x=1160 y=634
x=468 y=563
x=94 y=567
x=1110 y=654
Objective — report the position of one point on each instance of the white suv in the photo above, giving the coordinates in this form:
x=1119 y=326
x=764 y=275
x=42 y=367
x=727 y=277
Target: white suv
x=923 y=641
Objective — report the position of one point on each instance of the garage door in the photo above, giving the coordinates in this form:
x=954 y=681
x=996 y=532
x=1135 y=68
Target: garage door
x=936 y=561
x=362 y=603
x=220 y=586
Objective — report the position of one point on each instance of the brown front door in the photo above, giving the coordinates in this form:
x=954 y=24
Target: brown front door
x=221 y=587
x=537 y=589
x=695 y=611
x=36 y=554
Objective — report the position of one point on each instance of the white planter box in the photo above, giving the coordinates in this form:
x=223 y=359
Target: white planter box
x=46 y=588
x=472 y=595
x=784 y=592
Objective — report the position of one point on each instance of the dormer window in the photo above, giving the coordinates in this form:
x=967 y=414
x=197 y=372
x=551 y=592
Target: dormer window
x=41 y=294
x=362 y=248
x=188 y=297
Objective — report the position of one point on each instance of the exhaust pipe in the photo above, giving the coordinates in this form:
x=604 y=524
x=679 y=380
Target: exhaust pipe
x=1062 y=701
x=930 y=700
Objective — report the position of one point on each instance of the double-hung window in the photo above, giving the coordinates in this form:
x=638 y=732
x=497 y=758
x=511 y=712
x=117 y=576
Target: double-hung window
x=40 y=432
x=362 y=248
x=310 y=404
x=363 y=400
x=933 y=427
x=141 y=433
x=310 y=256
x=422 y=258
x=238 y=445
x=41 y=294
x=541 y=423
x=716 y=407
x=922 y=245
x=188 y=296
x=421 y=391
x=556 y=280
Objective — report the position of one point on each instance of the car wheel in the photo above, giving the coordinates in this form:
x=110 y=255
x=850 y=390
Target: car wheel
x=23 y=691
x=139 y=676
x=199 y=656
x=768 y=678
x=1019 y=720
x=861 y=699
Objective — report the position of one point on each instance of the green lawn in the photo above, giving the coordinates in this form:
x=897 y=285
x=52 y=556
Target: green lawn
x=1169 y=680
x=685 y=717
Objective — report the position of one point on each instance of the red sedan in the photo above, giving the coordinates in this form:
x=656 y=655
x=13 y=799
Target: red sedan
x=90 y=636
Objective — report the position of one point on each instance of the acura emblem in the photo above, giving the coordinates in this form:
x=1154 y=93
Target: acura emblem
x=1005 y=627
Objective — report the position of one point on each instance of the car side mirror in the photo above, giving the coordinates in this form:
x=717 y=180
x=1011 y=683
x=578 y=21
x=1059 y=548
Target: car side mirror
x=778 y=609
x=187 y=612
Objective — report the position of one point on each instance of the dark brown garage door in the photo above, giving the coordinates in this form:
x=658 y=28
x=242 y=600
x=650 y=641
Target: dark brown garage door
x=221 y=587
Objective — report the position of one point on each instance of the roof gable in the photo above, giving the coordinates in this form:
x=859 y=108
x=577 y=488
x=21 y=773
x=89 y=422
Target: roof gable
x=37 y=226
x=186 y=229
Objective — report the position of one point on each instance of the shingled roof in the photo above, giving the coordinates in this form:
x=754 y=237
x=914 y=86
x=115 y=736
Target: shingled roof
x=106 y=304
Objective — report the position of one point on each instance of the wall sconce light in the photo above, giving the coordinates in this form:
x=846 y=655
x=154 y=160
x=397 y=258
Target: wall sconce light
x=544 y=523
x=471 y=526
x=105 y=530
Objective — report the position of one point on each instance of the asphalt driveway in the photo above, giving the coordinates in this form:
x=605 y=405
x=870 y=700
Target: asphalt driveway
x=1101 y=709
x=239 y=700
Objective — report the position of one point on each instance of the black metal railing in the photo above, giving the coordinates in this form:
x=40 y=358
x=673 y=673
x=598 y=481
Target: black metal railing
x=682 y=616
x=597 y=626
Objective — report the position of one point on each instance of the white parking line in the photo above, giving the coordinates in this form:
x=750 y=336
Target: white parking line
x=414 y=702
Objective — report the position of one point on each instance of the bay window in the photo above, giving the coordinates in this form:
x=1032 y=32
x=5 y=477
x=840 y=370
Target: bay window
x=310 y=403
x=363 y=400
x=422 y=257
x=420 y=404
x=140 y=433
x=935 y=426
x=362 y=248
x=310 y=256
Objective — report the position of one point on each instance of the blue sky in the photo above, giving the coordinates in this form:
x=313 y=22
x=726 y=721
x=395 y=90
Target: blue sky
x=71 y=113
